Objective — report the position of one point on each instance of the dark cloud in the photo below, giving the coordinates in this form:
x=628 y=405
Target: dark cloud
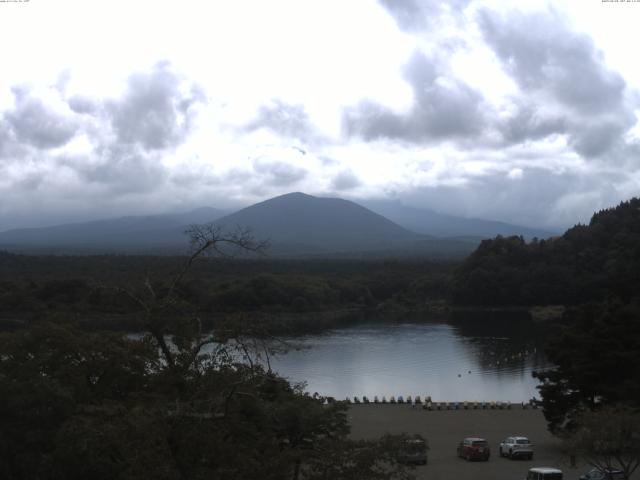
x=126 y=137
x=531 y=122
x=35 y=124
x=279 y=174
x=154 y=112
x=539 y=197
x=444 y=108
x=5 y=138
x=560 y=68
x=286 y=120
x=419 y=15
x=83 y=104
x=345 y=180
x=542 y=53
x=119 y=169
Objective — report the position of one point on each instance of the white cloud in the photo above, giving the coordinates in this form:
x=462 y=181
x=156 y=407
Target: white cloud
x=147 y=107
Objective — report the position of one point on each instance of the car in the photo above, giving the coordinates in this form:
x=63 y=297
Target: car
x=414 y=451
x=474 y=448
x=603 y=474
x=516 y=447
x=544 y=473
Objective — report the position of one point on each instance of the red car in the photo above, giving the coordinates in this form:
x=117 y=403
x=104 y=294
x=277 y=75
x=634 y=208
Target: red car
x=474 y=448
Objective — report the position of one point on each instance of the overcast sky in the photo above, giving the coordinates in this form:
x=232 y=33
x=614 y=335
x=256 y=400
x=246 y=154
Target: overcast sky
x=522 y=111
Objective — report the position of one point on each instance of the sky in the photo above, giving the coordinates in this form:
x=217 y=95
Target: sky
x=526 y=112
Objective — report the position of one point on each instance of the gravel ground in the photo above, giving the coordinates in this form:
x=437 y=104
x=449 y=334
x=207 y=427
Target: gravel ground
x=444 y=430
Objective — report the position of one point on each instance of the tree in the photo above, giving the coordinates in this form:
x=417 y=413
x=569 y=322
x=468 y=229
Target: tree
x=608 y=438
x=176 y=403
x=595 y=356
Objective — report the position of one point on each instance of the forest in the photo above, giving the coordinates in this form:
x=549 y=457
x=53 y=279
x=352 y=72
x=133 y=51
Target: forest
x=89 y=288
x=588 y=262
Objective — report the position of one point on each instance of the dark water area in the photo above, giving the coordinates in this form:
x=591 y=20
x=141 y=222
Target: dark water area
x=472 y=357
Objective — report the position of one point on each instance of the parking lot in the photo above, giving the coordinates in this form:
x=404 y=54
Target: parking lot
x=444 y=429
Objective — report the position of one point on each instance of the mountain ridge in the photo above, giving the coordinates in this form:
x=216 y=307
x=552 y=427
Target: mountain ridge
x=296 y=224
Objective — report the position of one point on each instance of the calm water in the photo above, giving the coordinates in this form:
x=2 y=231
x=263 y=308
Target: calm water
x=454 y=361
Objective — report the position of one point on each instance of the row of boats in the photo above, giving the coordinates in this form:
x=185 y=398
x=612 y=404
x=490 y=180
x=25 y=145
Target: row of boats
x=428 y=404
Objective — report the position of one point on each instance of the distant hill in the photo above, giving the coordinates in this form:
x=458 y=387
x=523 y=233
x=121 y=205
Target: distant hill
x=436 y=224
x=295 y=224
x=115 y=234
x=587 y=263
x=300 y=223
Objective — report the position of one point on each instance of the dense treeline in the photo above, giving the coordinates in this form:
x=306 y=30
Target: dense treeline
x=173 y=403
x=588 y=262
x=595 y=351
x=90 y=287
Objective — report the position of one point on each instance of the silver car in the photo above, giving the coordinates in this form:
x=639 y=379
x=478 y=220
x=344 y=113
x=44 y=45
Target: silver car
x=516 y=447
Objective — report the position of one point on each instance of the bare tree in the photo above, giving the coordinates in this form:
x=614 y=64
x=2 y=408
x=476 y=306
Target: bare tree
x=608 y=439
x=161 y=304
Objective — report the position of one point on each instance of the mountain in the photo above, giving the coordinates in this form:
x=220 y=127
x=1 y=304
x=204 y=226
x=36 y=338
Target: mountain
x=299 y=223
x=440 y=225
x=294 y=224
x=114 y=234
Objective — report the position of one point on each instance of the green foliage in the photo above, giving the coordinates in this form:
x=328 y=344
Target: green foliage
x=596 y=356
x=90 y=289
x=585 y=264
x=176 y=403
x=77 y=405
x=608 y=439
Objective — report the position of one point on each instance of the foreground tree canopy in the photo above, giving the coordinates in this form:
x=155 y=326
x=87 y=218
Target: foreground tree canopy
x=175 y=403
x=608 y=439
x=596 y=353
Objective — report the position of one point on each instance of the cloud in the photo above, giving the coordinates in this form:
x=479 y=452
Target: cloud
x=36 y=124
x=286 y=120
x=526 y=196
x=566 y=88
x=279 y=174
x=69 y=147
x=82 y=104
x=444 y=108
x=420 y=15
x=345 y=180
x=118 y=169
x=155 y=112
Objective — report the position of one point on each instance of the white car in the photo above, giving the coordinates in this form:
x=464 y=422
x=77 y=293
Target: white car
x=544 y=473
x=514 y=447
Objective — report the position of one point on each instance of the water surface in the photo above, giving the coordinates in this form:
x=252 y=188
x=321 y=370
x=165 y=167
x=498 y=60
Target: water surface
x=452 y=361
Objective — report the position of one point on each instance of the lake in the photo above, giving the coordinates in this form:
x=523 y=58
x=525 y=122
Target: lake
x=474 y=359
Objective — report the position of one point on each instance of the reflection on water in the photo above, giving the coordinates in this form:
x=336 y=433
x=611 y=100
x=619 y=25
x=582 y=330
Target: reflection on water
x=470 y=359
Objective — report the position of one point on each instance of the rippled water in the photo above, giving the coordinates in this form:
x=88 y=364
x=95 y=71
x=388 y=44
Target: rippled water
x=448 y=361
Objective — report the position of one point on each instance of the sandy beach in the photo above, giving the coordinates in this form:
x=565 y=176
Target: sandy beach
x=444 y=429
